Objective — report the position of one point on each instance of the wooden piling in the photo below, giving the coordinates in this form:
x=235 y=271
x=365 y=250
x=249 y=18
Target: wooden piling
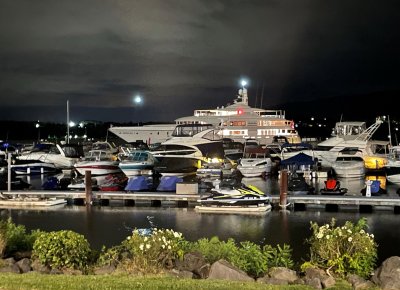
x=88 y=187
x=283 y=186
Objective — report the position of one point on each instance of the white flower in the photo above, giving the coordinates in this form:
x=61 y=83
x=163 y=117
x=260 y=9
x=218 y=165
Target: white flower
x=169 y=247
x=129 y=237
x=320 y=235
x=350 y=239
x=141 y=247
x=327 y=237
x=163 y=246
x=145 y=239
x=362 y=232
x=372 y=235
x=349 y=231
x=148 y=246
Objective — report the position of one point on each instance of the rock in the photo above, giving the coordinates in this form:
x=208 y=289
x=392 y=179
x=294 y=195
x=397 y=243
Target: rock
x=387 y=276
x=359 y=283
x=24 y=265
x=283 y=273
x=181 y=274
x=39 y=267
x=225 y=271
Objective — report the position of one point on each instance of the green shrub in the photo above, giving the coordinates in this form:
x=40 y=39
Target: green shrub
x=344 y=250
x=62 y=249
x=14 y=237
x=247 y=256
x=153 y=251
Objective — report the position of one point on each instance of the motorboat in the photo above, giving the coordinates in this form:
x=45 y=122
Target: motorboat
x=190 y=147
x=349 y=166
x=352 y=136
x=297 y=184
x=98 y=162
x=332 y=187
x=392 y=168
x=138 y=162
x=105 y=146
x=63 y=156
x=237 y=121
x=255 y=162
x=31 y=167
x=235 y=195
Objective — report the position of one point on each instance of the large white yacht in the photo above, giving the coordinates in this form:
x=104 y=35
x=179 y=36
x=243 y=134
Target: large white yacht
x=237 y=121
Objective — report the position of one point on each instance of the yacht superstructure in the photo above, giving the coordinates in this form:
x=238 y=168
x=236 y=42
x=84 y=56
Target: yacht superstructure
x=237 y=121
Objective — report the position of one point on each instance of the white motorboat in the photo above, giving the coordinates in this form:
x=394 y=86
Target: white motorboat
x=392 y=168
x=189 y=148
x=237 y=121
x=63 y=156
x=98 y=162
x=255 y=162
x=31 y=167
x=349 y=166
x=137 y=162
x=351 y=136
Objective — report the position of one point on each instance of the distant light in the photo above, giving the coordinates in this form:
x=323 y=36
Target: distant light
x=37 y=125
x=72 y=124
x=81 y=124
x=312 y=118
x=137 y=99
x=244 y=83
x=240 y=111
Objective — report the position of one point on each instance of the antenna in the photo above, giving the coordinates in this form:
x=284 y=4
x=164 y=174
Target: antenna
x=262 y=95
x=67 y=121
x=390 y=135
x=255 y=103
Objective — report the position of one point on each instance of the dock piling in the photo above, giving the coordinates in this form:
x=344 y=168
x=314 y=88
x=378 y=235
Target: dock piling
x=88 y=187
x=283 y=188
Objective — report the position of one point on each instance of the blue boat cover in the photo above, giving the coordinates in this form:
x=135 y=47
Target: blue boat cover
x=137 y=183
x=375 y=186
x=168 y=183
x=50 y=183
x=299 y=159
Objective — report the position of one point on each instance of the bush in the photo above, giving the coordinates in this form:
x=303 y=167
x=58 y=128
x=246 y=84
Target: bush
x=14 y=238
x=62 y=249
x=152 y=251
x=345 y=250
x=247 y=256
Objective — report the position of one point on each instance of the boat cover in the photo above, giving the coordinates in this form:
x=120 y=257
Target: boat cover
x=137 y=183
x=168 y=183
x=298 y=159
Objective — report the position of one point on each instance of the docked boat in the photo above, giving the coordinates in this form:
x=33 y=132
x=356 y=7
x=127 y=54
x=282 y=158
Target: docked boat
x=237 y=195
x=349 y=166
x=255 y=162
x=237 y=121
x=138 y=162
x=98 y=162
x=332 y=187
x=297 y=185
x=31 y=167
x=63 y=156
x=352 y=136
x=392 y=168
x=190 y=147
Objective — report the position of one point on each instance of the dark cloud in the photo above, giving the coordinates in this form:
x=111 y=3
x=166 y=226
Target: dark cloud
x=183 y=55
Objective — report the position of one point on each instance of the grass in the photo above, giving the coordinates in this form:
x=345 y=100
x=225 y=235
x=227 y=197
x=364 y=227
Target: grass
x=37 y=281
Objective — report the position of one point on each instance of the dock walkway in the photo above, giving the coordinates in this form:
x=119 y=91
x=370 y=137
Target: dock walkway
x=156 y=198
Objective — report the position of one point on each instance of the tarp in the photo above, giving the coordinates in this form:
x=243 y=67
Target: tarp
x=137 y=183
x=298 y=159
x=168 y=183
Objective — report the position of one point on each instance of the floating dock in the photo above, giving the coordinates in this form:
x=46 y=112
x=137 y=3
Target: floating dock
x=230 y=209
x=30 y=202
x=382 y=202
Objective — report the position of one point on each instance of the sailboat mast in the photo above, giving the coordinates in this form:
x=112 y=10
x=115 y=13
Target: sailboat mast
x=67 y=121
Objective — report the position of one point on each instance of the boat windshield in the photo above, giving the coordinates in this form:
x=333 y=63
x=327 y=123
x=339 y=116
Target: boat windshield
x=188 y=130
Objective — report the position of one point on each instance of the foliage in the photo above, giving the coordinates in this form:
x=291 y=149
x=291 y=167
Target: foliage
x=345 y=250
x=15 y=238
x=155 y=250
x=278 y=257
x=247 y=256
x=62 y=249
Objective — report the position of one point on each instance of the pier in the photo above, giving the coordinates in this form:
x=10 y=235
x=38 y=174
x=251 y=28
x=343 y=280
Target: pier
x=296 y=202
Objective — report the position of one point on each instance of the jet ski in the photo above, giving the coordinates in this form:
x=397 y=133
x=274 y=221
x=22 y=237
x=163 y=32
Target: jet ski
x=332 y=187
x=236 y=195
x=298 y=185
x=375 y=187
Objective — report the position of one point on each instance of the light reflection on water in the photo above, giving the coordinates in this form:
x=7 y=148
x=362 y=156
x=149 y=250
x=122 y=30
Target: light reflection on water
x=109 y=225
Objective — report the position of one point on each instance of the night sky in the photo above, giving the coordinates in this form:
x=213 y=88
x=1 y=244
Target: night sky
x=182 y=55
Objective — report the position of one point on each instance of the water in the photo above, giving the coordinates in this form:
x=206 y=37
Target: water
x=109 y=225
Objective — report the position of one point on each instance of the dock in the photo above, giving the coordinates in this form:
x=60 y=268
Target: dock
x=361 y=203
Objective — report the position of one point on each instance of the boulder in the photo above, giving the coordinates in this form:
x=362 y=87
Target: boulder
x=225 y=271
x=387 y=276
